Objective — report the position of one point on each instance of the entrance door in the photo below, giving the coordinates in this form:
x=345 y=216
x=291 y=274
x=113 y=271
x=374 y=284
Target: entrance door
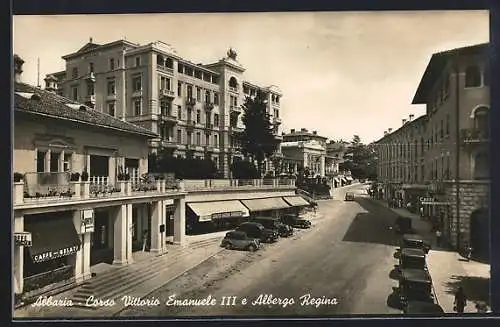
x=480 y=236
x=101 y=251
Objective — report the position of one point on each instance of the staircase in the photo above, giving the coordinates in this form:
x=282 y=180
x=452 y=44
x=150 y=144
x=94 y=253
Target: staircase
x=123 y=280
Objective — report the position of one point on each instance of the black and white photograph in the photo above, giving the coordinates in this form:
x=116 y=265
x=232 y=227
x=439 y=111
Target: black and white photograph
x=272 y=164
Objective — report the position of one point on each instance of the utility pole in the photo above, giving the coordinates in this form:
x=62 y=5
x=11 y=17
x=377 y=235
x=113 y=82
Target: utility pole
x=38 y=72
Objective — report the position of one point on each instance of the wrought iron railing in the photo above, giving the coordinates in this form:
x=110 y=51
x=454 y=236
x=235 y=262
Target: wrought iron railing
x=47 y=185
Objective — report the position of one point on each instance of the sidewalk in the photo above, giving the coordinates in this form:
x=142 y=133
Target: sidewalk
x=176 y=262
x=449 y=270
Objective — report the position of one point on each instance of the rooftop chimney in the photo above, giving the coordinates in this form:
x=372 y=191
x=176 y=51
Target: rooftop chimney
x=389 y=130
x=404 y=121
x=385 y=133
x=303 y=130
x=411 y=116
x=18 y=68
x=292 y=130
x=315 y=132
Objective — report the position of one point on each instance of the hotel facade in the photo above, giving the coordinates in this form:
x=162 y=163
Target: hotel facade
x=193 y=108
x=441 y=159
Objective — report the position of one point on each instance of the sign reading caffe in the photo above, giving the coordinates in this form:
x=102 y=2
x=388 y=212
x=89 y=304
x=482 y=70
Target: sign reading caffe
x=227 y=214
x=50 y=255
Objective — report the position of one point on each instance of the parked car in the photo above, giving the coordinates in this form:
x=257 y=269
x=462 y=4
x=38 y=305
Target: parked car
x=412 y=259
x=422 y=308
x=404 y=225
x=415 y=241
x=240 y=241
x=295 y=221
x=274 y=224
x=256 y=230
x=415 y=285
x=349 y=196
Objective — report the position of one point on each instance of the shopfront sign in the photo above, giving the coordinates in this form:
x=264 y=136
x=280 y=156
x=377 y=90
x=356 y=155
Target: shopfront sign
x=22 y=238
x=50 y=255
x=87 y=221
x=231 y=214
x=432 y=201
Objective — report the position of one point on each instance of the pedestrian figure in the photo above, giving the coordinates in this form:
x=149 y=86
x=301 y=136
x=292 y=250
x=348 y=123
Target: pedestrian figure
x=468 y=252
x=438 y=237
x=421 y=211
x=482 y=307
x=460 y=300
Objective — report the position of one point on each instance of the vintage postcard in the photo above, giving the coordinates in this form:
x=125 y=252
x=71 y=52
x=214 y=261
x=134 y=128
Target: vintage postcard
x=316 y=164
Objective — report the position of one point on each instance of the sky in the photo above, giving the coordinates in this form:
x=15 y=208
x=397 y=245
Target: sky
x=341 y=73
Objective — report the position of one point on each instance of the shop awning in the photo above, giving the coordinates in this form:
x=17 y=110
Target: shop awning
x=265 y=204
x=52 y=238
x=207 y=211
x=337 y=179
x=344 y=179
x=349 y=178
x=296 y=201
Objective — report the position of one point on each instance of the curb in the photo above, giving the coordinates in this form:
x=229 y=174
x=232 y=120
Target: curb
x=172 y=278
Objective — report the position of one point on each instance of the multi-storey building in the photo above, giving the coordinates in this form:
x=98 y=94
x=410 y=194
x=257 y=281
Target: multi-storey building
x=194 y=108
x=452 y=146
x=73 y=204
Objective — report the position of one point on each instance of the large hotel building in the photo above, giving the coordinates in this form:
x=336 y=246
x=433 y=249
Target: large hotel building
x=194 y=108
x=441 y=159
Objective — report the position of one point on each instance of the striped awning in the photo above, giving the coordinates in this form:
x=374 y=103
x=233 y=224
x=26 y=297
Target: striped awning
x=265 y=204
x=337 y=179
x=296 y=201
x=206 y=211
x=349 y=178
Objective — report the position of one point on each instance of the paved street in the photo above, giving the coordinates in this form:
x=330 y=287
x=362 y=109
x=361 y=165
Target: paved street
x=344 y=260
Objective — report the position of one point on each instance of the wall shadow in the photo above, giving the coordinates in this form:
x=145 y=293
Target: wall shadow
x=476 y=289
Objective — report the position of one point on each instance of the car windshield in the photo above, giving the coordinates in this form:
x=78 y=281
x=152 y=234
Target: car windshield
x=413 y=262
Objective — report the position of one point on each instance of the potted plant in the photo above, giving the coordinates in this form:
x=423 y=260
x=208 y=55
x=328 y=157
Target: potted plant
x=18 y=177
x=75 y=177
x=85 y=175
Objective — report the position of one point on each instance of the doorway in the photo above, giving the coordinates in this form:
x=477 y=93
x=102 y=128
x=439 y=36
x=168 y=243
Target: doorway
x=479 y=234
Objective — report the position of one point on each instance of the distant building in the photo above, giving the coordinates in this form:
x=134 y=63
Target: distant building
x=194 y=108
x=304 y=150
x=445 y=153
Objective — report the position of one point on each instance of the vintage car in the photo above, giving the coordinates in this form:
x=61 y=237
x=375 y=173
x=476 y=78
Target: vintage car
x=415 y=241
x=256 y=230
x=240 y=241
x=415 y=285
x=273 y=223
x=295 y=221
x=422 y=308
x=404 y=225
x=349 y=196
x=412 y=259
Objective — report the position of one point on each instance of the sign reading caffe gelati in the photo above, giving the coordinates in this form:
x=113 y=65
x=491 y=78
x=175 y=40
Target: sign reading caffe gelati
x=50 y=255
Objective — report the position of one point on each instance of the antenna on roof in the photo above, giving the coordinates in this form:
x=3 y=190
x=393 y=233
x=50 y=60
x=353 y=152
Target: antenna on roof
x=38 y=72
x=90 y=39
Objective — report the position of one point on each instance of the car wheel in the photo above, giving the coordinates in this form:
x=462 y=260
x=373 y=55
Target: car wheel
x=228 y=246
x=252 y=248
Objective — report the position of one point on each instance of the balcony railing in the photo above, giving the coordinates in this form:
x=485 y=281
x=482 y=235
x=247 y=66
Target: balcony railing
x=164 y=69
x=90 y=98
x=276 y=120
x=230 y=184
x=57 y=187
x=233 y=89
x=209 y=105
x=474 y=135
x=167 y=93
x=235 y=109
x=190 y=101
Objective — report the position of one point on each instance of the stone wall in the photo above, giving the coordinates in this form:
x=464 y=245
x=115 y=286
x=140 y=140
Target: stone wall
x=474 y=195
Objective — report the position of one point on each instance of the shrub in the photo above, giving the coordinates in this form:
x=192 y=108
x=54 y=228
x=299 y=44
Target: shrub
x=18 y=177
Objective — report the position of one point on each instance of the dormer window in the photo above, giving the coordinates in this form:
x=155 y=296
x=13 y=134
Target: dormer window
x=111 y=64
x=233 y=83
x=169 y=63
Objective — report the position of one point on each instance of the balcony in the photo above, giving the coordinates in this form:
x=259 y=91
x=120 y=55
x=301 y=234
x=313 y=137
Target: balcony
x=209 y=126
x=190 y=124
x=90 y=99
x=169 y=118
x=209 y=148
x=474 y=136
x=190 y=102
x=165 y=69
x=190 y=147
x=235 y=110
x=278 y=137
x=233 y=89
x=56 y=188
x=235 y=184
x=209 y=106
x=276 y=120
x=111 y=97
x=165 y=93
x=169 y=144
x=137 y=93
x=236 y=129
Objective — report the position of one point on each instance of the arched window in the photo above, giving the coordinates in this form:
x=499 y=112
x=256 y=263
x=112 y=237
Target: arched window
x=160 y=60
x=169 y=63
x=482 y=119
x=472 y=76
x=233 y=82
x=482 y=165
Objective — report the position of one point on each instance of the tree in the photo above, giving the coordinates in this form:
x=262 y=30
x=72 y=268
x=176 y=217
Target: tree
x=356 y=141
x=257 y=139
x=243 y=169
x=361 y=160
